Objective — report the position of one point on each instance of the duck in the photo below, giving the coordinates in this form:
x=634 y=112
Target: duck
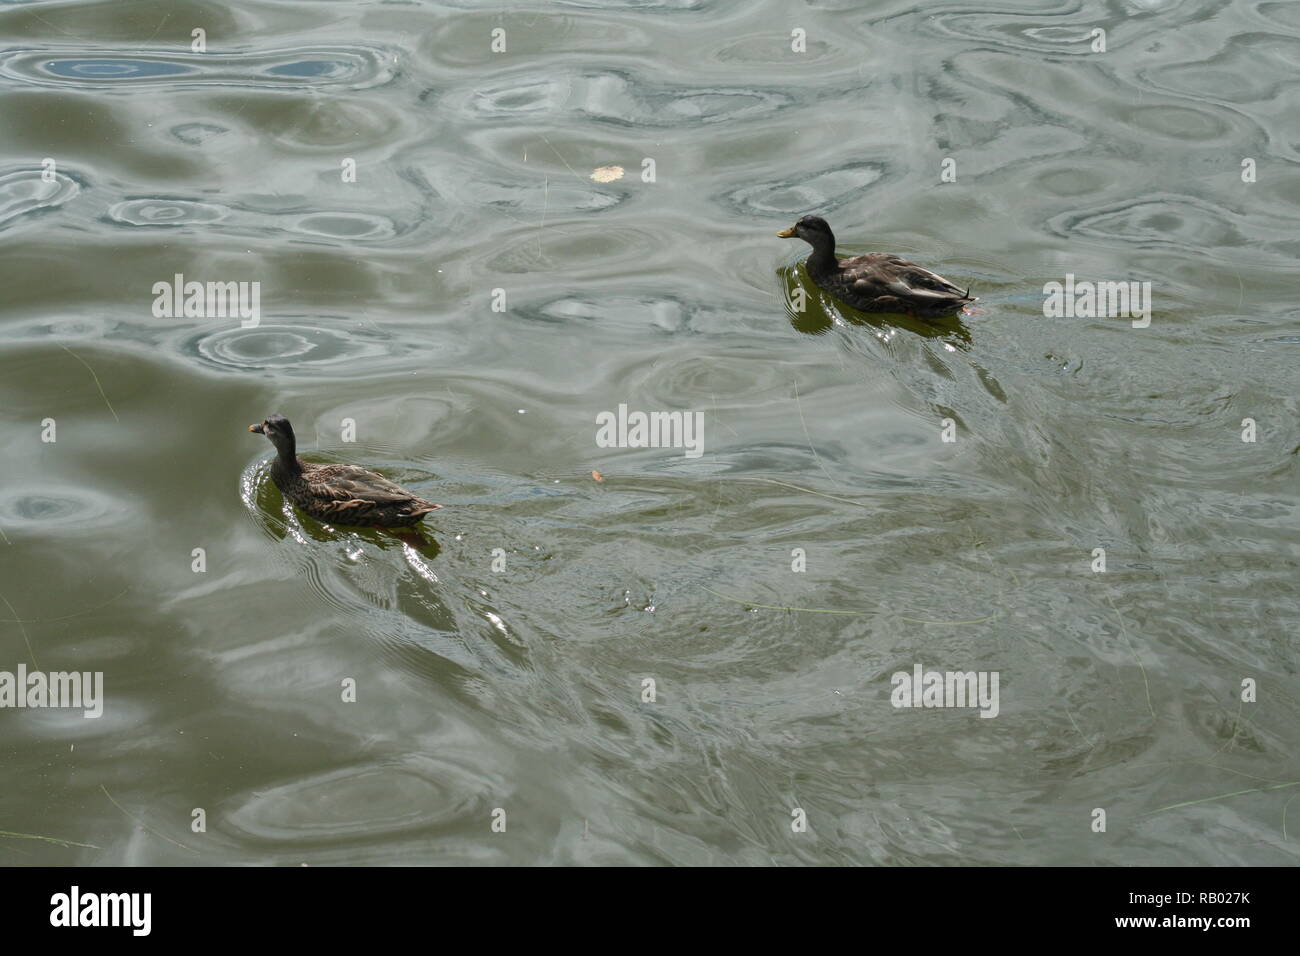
x=339 y=494
x=878 y=281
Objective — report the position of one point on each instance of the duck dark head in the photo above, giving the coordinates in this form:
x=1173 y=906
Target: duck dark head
x=811 y=229
x=815 y=231
x=279 y=431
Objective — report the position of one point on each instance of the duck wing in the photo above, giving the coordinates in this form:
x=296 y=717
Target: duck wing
x=880 y=274
x=343 y=490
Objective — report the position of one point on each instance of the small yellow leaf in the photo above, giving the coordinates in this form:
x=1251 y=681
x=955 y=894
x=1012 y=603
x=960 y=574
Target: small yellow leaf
x=607 y=174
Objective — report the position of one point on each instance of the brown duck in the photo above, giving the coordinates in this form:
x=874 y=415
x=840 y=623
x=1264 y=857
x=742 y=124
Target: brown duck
x=339 y=494
x=878 y=281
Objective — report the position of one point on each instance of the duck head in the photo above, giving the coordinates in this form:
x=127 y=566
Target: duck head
x=280 y=432
x=813 y=230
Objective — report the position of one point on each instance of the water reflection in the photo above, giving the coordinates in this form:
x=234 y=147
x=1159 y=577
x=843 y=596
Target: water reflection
x=343 y=67
x=822 y=313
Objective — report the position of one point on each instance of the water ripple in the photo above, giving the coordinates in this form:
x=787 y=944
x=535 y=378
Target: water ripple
x=399 y=797
x=343 y=67
x=25 y=191
x=620 y=98
x=298 y=349
x=1172 y=221
x=46 y=509
x=816 y=191
x=167 y=212
x=343 y=227
x=196 y=134
x=1233 y=74
x=510 y=646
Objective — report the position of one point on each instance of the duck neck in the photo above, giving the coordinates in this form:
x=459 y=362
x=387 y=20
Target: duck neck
x=823 y=258
x=286 y=459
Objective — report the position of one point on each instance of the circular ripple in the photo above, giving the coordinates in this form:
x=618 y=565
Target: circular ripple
x=1071 y=37
x=346 y=225
x=45 y=508
x=196 y=134
x=538 y=96
x=367 y=801
x=624 y=99
x=660 y=312
x=815 y=192
x=353 y=67
x=1161 y=220
x=303 y=348
x=23 y=191
x=1008 y=31
x=78 y=327
x=693 y=382
x=166 y=212
x=106 y=68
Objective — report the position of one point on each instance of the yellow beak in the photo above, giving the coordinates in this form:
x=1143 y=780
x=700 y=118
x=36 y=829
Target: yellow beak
x=787 y=233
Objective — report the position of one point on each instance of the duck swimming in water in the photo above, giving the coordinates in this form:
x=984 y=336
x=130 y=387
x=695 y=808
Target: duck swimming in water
x=878 y=281
x=340 y=494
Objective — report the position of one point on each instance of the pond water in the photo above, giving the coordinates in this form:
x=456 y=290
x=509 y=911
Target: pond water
x=682 y=658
